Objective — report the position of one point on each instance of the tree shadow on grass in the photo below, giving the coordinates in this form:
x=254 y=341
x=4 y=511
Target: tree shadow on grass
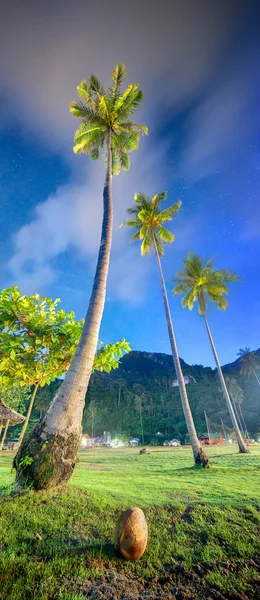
x=50 y=548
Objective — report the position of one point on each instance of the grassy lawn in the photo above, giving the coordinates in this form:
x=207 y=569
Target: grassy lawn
x=204 y=528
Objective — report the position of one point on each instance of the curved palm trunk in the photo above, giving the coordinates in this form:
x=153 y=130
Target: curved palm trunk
x=199 y=456
x=25 y=425
x=4 y=436
x=54 y=442
x=241 y=444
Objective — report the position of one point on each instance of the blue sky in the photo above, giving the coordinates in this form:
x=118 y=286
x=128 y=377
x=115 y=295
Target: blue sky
x=198 y=66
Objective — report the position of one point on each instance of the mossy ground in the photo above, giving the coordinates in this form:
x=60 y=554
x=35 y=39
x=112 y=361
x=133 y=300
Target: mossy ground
x=204 y=529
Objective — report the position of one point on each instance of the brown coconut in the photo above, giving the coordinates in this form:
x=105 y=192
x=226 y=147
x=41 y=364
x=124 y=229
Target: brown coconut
x=131 y=533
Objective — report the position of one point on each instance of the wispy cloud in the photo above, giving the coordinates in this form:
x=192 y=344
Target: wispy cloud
x=173 y=56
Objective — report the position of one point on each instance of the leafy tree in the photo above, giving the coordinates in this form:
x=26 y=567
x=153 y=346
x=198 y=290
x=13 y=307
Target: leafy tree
x=37 y=342
x=105 y=123
x=149 y=220
x=17 y=397
x=199 y=282
x=250 y=363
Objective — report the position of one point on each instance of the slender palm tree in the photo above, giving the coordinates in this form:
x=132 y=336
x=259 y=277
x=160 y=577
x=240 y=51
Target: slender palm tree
x=106 y=124
x=121 y=382
x=237 y=396
x=199 y=282
x=139 y=403
x=250 y=363
x=149 y=220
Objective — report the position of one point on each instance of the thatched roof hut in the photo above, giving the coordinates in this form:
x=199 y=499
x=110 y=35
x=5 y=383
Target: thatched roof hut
x=8 y=414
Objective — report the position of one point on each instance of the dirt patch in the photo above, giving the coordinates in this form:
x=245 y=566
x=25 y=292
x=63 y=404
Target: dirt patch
x=178 y=585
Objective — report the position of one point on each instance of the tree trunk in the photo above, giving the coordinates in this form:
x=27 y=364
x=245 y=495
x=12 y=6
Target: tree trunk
x=4 y=436
x=237 y=416
x=141 y=423
x=199 y=456
x=54 y=442
x=27 y=416
x=1 y=426
x=243 y=421
x=241 y=444
x=257 y=378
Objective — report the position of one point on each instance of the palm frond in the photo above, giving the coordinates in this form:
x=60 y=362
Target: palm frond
x=94 y=154
x=131 y=126
x=128 y=102
x=87 y=114
x=165 y=235
x=118 y=75
x=135 y=236
x=143 y=231
x=104 y=107
x=146 y=245
x=159 y=244
x=95 y=85
x=155 y=201
x=125 y=161
x=126 y=141
x=86 y=138
x=130 y=223
x=168 y=213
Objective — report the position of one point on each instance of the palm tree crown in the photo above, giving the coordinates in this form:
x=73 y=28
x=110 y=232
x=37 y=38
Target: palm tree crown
x=148 y=219
x=103 y=112
x=200 y=282
x=250 y=362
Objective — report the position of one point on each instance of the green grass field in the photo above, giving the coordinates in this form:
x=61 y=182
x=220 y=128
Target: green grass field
x=204 y=528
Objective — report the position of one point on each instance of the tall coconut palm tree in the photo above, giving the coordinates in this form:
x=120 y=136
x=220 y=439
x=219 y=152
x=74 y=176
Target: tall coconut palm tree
x=250 y=363
x=199 y=282
x=106 y=124
x=149 y=220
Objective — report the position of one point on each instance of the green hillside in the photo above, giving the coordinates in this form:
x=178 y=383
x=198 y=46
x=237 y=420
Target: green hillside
x=113 y=398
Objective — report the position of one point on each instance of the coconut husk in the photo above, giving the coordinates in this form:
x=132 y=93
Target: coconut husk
x=8 y=414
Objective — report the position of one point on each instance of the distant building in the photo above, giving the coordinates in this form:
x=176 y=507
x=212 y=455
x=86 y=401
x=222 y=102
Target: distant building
x=134 y=441
x=173 y=442
x=213 y=438
x=86 y=441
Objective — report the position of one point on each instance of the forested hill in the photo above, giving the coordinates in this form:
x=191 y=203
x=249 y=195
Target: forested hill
x=153 y=364
x=113 y=397
x=112 y=404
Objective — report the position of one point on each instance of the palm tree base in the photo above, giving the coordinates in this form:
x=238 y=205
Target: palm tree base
x=243 y=449
x=201 y=459
x=45 y=463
